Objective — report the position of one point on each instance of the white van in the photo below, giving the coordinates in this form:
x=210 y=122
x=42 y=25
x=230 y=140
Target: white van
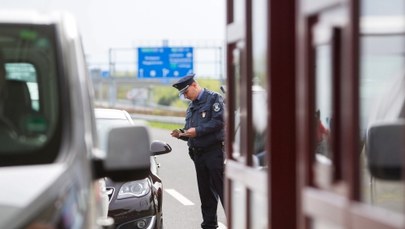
x=49 y=158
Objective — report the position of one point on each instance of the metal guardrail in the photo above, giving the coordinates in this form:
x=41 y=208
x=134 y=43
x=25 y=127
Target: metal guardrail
x=146 y=117
x=157 y=118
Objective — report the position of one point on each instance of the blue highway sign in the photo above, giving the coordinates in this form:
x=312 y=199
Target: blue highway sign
x=164 y=62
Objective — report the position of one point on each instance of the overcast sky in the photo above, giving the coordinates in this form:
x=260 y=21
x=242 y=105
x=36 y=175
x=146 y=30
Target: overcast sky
x=108 y=24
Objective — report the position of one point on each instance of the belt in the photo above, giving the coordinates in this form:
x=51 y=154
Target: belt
x=200 y=150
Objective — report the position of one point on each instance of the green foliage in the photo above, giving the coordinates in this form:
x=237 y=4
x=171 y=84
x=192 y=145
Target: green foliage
x=211 y=84
x=122 y=91
x=166 y=126
x=179 y=103
x=167 y=95
x=164 y=95
x=165 y=100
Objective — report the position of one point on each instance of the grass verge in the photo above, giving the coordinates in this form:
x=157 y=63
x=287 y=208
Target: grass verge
x=166 y=126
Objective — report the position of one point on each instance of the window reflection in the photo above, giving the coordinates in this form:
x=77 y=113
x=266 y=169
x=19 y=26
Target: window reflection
x=323 y=102
x=322 y=224
x=238 y=191
x=238 y=13
x=382 y=100
x=258 y=211
x=237 y=77
x=30 y=129
x=259 y=82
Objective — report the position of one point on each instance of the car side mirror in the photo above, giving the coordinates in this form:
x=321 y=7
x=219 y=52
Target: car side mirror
x=385 y=149
x=158 y=147
x=128 y=156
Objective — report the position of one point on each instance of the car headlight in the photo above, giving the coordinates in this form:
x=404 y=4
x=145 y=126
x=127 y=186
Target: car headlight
x=134 y=189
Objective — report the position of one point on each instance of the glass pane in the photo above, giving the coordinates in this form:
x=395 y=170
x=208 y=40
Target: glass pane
x=259 y=210
x=328 y=30
x=323 y=113
x=29 y=117
x=25 y=72
x=259 y=93
x=237 y=77
x=381 y=80
x=238 y=205
x=323 y=224
x=238 y=11
x=378 y=7
x=382 y=100
x=323 y=101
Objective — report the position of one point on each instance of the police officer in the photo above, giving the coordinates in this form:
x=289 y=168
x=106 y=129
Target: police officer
x=204 y=133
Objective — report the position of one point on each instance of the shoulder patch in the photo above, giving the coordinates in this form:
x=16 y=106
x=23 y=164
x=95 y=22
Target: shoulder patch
x=216 y=107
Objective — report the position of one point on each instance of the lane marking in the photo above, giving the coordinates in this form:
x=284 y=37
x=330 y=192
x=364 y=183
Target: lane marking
x=221 y=226
x=179 y=197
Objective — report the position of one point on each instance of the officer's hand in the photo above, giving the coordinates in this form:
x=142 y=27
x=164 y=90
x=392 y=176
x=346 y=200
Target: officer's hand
x=190 y=133
x=175 y=133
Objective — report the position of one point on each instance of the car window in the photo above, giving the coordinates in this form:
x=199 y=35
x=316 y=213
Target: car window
x=30 y=130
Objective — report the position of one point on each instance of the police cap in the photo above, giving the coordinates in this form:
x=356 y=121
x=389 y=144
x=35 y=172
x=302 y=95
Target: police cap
x=183 y=83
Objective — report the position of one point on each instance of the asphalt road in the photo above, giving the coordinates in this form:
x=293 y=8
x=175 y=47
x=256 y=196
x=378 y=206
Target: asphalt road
x=181 y=202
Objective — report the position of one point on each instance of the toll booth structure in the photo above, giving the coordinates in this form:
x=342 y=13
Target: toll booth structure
x=315 y=109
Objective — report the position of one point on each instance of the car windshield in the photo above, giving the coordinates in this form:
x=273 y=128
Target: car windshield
x=30 y=130
x=104 y=125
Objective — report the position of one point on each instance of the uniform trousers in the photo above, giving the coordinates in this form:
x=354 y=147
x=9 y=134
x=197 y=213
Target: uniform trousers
x=209 y=168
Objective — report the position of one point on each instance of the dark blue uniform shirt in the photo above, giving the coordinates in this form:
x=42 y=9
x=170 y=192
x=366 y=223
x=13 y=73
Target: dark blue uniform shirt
x=206 y=114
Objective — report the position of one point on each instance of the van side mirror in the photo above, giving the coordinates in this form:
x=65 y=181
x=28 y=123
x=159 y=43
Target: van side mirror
x=128 y=155
x=385 y=149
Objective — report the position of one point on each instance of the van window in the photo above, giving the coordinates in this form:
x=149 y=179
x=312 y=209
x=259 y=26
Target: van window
x=25 y=72
x=29 y=99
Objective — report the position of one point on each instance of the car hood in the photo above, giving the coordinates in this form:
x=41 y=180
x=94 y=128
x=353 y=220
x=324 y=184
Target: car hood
x=115 y=184
x=21 y=186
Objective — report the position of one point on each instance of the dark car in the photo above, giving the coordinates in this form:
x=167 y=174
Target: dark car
x=135 y=204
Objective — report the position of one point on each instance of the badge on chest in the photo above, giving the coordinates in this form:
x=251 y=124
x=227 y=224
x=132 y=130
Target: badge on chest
x=216 y=107
x=203 y=114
